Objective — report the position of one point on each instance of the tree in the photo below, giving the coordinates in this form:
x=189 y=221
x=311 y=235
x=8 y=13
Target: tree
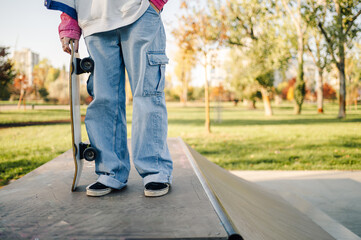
x=336 y=21
x=243 y=86
x=185 y=56
x=253 y=27
x=203 y=32
x=59 y=89
x=7 y=73
x=44 y=93
x=44 y=74
x=294 y=10
x=185 y=63
x=353 y=76
x=21 y=87
x=317 y=49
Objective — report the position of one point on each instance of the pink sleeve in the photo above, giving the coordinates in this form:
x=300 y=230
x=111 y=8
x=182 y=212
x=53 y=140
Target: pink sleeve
x=69 y=27
x=159 y=3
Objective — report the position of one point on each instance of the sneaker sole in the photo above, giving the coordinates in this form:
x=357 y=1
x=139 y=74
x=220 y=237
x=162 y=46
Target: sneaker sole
x=98 y=193
x=156 y=193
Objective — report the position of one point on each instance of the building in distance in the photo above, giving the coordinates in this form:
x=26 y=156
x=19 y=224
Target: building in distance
x=24 y=62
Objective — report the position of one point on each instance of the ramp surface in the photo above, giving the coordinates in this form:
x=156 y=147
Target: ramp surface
x=40 y=205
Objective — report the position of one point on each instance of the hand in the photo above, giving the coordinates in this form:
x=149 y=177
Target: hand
x=155 y=8
x=65 y=41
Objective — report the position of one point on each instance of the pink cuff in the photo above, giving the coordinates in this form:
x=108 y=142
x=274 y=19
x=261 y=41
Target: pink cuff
x=159 y=3
x=69 y=27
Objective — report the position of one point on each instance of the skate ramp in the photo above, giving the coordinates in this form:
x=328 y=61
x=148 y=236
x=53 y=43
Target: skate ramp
x=41 y=205
x=254 y=212
x=205 y=202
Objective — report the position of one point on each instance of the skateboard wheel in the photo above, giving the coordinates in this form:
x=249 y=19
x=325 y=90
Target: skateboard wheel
x=90 y=154
x=87 y=64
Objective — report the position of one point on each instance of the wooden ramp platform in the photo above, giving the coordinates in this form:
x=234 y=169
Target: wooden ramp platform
x=205 y=202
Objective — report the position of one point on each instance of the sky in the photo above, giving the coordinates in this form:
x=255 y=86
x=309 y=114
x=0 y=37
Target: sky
x=28 y=24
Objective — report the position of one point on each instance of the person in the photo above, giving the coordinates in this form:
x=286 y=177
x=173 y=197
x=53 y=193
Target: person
x=123 y=36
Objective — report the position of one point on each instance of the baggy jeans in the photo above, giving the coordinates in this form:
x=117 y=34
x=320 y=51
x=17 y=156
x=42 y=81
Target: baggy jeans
x=140 y=49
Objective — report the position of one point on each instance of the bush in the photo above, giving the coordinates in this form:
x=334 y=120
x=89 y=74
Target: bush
x=43 y=93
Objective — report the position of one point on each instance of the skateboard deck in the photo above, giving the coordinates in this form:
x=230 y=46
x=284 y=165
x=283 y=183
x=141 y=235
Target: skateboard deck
x=75 y=116
x=81 y=150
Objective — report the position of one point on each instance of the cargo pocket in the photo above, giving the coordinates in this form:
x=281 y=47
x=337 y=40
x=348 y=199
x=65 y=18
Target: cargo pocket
x=154 y=79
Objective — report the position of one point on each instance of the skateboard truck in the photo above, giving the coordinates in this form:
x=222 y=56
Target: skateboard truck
x=87 y=152
x=85 y=65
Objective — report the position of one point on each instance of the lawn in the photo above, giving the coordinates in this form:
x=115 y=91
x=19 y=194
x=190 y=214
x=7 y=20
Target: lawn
x=36 y=115
x=247 y=140
x=243 y=139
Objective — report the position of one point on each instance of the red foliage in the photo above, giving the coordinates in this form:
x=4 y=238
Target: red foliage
x=20 y=81
x=328 y=91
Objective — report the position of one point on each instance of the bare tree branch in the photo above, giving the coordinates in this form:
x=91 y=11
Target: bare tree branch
x=311 y=53
x=237 y=43
x=329 y=42
x=352 y=22
x=249 y=32
x=290 y=13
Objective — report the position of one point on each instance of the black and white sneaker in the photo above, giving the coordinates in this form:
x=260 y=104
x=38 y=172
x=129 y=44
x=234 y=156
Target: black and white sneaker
x=155 y=189
x=97 y=189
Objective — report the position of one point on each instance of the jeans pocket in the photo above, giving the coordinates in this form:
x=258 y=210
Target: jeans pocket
x=154 y=80
x=151 y=8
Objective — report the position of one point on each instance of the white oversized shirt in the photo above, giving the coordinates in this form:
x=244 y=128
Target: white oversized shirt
x=100 y=15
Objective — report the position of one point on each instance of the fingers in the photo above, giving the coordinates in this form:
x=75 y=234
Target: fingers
x=65 y=41
x=65 y=44
x=76 y=45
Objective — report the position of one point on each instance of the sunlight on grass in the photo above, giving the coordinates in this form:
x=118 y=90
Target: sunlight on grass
x=20 y=116
x=244 y=139
x=247 y=140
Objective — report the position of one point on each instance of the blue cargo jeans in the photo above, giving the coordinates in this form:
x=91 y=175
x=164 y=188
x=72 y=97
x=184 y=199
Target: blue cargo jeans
x=140 y=49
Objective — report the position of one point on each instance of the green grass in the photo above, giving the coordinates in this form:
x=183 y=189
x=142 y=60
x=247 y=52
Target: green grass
x=26 y=148
x=244 y=139
x=28 y=103
x=37 y=115
x=248 y=140
x=17 y=116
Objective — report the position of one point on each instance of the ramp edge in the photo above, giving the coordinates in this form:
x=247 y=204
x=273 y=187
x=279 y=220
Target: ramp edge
x=221 y=213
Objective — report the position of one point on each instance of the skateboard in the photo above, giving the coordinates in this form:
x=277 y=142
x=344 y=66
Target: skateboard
x=81 y=150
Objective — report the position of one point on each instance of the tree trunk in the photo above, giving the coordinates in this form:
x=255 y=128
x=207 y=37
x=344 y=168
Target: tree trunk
x=266 y=102
x=185 y=89
x=184 y=84
x=300 y=88
x=300 y=84
x=206 y=100
x=342 y=94
x=320 y=91
x=252 y=105
x=298 y=109
x=22 y=93
x=341 y=65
